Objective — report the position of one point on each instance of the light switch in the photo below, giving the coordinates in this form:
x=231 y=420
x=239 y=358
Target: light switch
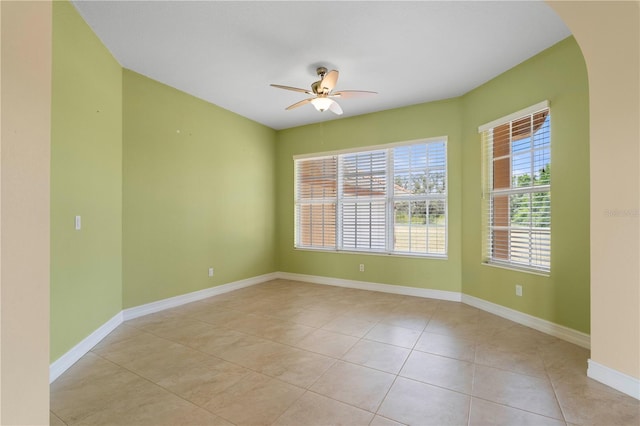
x=78 y=223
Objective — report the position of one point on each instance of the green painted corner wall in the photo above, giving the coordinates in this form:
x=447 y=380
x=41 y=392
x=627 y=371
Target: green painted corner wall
x=558 y=75
x=86 y=180
x=403 y=124
x=199 y=192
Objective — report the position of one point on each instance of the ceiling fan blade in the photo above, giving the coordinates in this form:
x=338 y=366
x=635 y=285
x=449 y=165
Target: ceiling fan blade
x=295 y=89
x=346 y=94
x=329 y=81
x=335 y=108
x=299 y=104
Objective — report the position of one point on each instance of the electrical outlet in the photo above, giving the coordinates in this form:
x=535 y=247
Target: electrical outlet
x=518 y=290
x=362 y=267
x=210 y=272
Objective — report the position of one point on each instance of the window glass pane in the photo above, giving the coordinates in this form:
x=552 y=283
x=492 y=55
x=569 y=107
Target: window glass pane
x=541 y=209
x=520 y=210
x=542 y=135
x=437 y=181
x=518 y=157
x=436 y=231
x=542 y=166
x=521 y=170
x=520 y=145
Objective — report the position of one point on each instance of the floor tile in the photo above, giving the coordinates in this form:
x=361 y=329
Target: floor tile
x=383 y=421
x=211 y=340
x=90 y=385
x=201 y=382
x=300 y=353
x=517 y=338
x=484 y=413
x=284 y=331
x=327 y=343
x=219 y=317
x=406 y=320
x=252 y=352
x=355 y=385
x=591 y=403
x=449 y=325
x=111 y=395
x=527 y=393
x=380 y=356
x=564 y=360
x=316 y=410
x=55 y=420
x=416 y=403
x=298 y=367
x=440 y=371
x=393 y=335
x=256 y=399
x=520 y=362
x=158 y=362
x=349 y=325
x=311 y=318
x=449 y=346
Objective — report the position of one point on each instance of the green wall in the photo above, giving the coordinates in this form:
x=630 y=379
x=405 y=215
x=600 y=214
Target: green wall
x=169 y=185
x=86 y=180
x=402 y=124
x=559 y=75
x=199 y=192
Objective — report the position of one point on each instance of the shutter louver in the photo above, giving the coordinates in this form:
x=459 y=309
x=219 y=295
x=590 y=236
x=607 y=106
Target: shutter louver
x=315 y=199
x=363 y=201
x=518 y=190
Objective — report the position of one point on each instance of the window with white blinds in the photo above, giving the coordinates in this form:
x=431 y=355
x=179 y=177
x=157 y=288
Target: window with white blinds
x=390 y=200
x=517 y=189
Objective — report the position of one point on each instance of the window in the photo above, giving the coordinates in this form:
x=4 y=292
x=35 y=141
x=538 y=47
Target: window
x=385 y=200
x=517 y=189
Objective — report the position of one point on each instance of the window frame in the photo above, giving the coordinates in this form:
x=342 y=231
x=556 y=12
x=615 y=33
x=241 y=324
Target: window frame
x=489 y=193
x=389 y=200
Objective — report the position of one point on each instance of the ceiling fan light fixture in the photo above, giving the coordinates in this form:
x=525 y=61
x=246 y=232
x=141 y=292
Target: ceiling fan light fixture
x=321 y=104
x=323 y=93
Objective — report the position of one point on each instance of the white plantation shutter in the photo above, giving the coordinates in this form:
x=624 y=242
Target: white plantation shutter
x=517 y=189
x=315 y=201
x=363 y=200
x=385 y=200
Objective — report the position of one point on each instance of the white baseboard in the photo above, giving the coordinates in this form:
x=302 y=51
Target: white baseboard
x=172 y=302
x=67 y=360
x=615 y=379
x=553 y=329
x=61 y=365
x=365 y=285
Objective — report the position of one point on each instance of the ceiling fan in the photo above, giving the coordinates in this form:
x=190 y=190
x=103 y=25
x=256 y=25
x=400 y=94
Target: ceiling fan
x=322 y=91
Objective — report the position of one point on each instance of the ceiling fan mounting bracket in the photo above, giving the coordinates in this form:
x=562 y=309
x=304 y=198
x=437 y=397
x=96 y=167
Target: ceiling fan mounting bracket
x=321 y=71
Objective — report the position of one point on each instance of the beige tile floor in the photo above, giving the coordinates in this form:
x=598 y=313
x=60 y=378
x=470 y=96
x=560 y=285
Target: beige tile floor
x=291 y=353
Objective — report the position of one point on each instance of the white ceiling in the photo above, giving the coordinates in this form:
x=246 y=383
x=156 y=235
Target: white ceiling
x=228 y=52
